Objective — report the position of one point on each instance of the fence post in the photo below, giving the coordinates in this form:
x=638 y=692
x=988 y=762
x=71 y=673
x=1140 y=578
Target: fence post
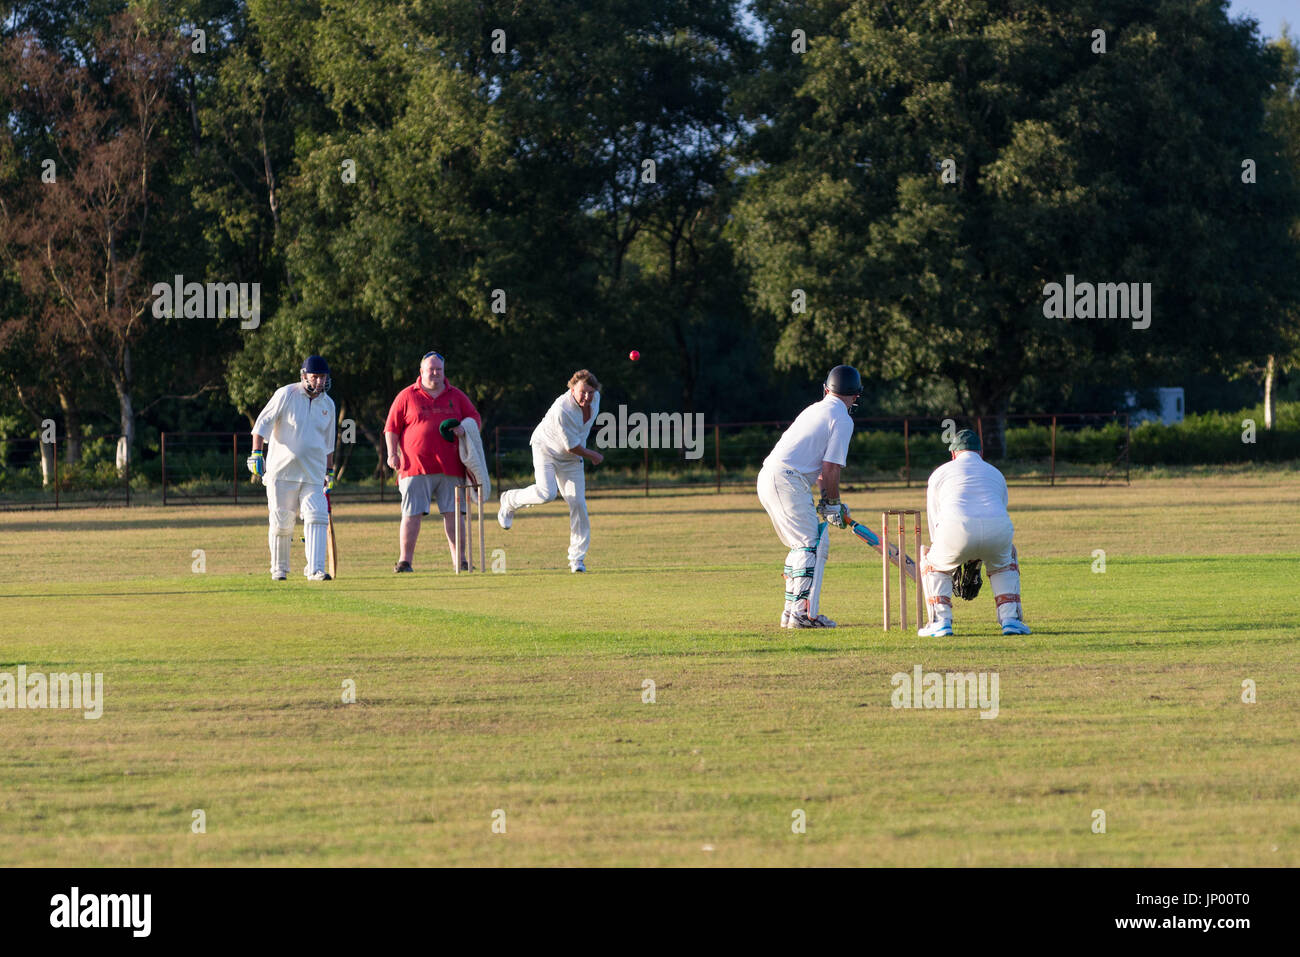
x=234 y=464
x=647 y=469
x=907 y=455
x=496 y=441
x=1128 y=446
x=164 y=467
x=1053 y=450
x=979 y=429
x=717 y=454
x=56 y=471
x=127 y=472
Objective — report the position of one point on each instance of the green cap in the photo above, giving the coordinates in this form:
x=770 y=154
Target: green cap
x=446 y=427
x=965 y=441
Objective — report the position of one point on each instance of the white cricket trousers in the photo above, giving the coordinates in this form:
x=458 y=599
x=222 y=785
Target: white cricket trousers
x=966 y=539
x=283 y=501
x=557 y=476
x=786 y=496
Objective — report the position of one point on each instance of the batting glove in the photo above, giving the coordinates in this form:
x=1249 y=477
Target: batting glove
x=257 y=463
x=833 y=511
x=329 y=481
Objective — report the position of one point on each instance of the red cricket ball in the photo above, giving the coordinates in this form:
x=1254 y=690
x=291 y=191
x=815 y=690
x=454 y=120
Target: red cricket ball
x=634 y=355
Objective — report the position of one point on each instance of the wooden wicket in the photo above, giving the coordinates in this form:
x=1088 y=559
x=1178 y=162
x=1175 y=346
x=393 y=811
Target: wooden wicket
x=902 y=513
x=462 y=494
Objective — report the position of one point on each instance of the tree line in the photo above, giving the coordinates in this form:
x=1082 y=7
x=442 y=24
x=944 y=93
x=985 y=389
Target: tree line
x=746 y=194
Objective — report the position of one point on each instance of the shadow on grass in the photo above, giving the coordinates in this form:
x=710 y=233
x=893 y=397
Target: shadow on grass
x=127 y=594
x=125 y=520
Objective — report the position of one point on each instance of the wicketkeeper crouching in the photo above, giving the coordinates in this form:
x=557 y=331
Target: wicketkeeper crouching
x=966 y=504
x=299 y=421
x=816 y=444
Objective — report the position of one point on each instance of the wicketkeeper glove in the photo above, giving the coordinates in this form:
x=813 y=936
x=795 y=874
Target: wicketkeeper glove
x=257 y=463
x=833 y=511
x=329 y=481
x=966 y=580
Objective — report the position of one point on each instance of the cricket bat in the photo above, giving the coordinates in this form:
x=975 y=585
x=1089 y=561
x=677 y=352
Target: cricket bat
x=331 y=549
x=870 y=537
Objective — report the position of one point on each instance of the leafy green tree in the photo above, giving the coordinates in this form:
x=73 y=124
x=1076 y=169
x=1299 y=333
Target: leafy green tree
x=463 y=176
x=85 y=142
x=1122 y=166
x=1283 y=111
x=244 y=102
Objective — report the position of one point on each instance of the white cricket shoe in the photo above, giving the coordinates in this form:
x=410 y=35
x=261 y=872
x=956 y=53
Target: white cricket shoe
x=577 y=566
x=505 y=516
x=319 y=577
x=935 y=629
x=1014 y=626
x=279 y=576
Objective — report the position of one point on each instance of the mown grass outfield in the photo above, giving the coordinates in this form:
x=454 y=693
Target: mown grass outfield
x=522 y=691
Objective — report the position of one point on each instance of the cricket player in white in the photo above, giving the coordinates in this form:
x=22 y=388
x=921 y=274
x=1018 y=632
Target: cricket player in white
x=966 y=505
x=559 y=446
x=299 y=423
x=816 y=445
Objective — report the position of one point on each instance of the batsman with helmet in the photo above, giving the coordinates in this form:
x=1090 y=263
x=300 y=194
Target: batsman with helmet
x=814 y=448
x=299 y=423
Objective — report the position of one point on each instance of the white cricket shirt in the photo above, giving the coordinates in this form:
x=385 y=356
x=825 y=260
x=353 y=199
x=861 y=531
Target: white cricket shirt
x=966 y=487
x=820 y=434
x=301 y=432
x=562 y=428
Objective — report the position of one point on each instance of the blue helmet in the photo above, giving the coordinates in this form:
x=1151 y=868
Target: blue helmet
x=315 y=365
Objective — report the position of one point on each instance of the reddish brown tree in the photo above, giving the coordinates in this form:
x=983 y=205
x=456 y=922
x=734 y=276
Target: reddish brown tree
x=76 y=231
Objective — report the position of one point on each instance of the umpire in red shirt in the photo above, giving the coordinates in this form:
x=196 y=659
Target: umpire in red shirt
x=428 y=465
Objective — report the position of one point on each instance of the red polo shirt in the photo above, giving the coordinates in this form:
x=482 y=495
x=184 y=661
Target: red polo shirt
x=414 y=418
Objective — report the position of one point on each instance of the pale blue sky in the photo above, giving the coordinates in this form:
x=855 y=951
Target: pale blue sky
x=1270 y=14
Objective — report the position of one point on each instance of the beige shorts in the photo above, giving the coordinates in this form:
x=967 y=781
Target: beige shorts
x=421 y=491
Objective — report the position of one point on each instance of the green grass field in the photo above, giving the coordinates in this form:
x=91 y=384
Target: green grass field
x=522 y=691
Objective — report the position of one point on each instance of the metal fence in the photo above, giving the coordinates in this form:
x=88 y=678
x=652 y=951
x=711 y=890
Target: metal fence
x=197 y=468
x=902 y=451
x=33 y=475
x=202 y=468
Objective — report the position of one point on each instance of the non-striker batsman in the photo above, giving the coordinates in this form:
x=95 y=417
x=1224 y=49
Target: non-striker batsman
x=299 y=423
x=815 y=447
